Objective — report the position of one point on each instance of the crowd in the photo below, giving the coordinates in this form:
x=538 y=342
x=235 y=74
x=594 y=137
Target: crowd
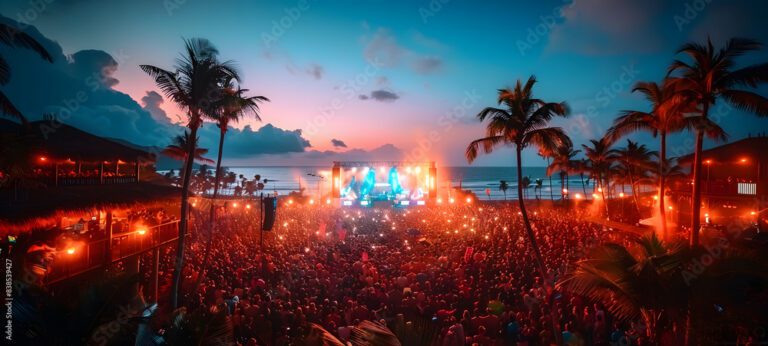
x=465 y=272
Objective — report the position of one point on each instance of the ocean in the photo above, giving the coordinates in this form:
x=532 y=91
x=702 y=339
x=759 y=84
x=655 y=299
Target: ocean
x=477 y=179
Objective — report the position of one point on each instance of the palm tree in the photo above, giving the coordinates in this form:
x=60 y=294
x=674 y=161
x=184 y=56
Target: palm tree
x=666 y=117
x=537 y=187
x=521 y=123
x=548 y=156
x=650 y=279
x=582 y=166
x=632 y=283
x=232 y=106
x=564 y=162
x=711 y=75
x=179 y=148
x=635 y=160
x=526 y=184
x=503 y=186
x=601 y=157
x=195 y=86
x=13 y=37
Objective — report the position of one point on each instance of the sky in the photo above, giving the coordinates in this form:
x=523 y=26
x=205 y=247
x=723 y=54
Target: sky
x=357 y=80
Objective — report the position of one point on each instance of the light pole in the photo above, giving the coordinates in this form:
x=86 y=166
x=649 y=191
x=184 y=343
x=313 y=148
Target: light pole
x=320 y=179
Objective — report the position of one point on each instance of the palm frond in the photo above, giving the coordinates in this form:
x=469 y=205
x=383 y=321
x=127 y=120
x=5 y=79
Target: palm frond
x=14 y=37
x=747 y=101
x=485 y=144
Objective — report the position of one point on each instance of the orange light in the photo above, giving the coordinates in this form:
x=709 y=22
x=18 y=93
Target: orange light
x=655 y=198
x=451 y=201
x=577 y=196
x=234 y=205
x=290 y=201
x=565 y=191
x=43 y=159
x=311 y=201
x=141 y=231
x=469 y=200
x=439 y=200
x=599 y=189
x=328 y=201
x=708 y=162
x=670 y=207
x=194 y=204
x=70 y=251
x=595 y=196
x=752 y=213
x=743 y=160
x=621 y=194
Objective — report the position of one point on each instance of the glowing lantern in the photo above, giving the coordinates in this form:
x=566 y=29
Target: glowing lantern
x=141 y=231
x=70 y=251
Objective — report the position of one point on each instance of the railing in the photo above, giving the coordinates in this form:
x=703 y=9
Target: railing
x=96 y=253
x=89 y=180
x=714 y=188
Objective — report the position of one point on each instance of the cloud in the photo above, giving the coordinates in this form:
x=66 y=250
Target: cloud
x=316 y=71
x=384 y=96
x=384 y=49
x=78 y=90
x=317 y=157
x=246 y=142
x=337 y=143
x=152 y=101
x=427 y=65
x=380 y=95
x=724 y=20
x=596 y=27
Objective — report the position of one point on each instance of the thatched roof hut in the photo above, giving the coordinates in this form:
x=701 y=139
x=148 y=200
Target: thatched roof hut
x=59 y=142
x=54 y=144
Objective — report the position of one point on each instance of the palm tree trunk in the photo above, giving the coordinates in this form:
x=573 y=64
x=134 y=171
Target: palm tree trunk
x=696 y=195
x=551 y=193
x=562 y=185
x=603 y=186
x=662 y=177
x=183 y=218
x=211 y=214
x=534 y=245
x=583 y=186
x=634 y=192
